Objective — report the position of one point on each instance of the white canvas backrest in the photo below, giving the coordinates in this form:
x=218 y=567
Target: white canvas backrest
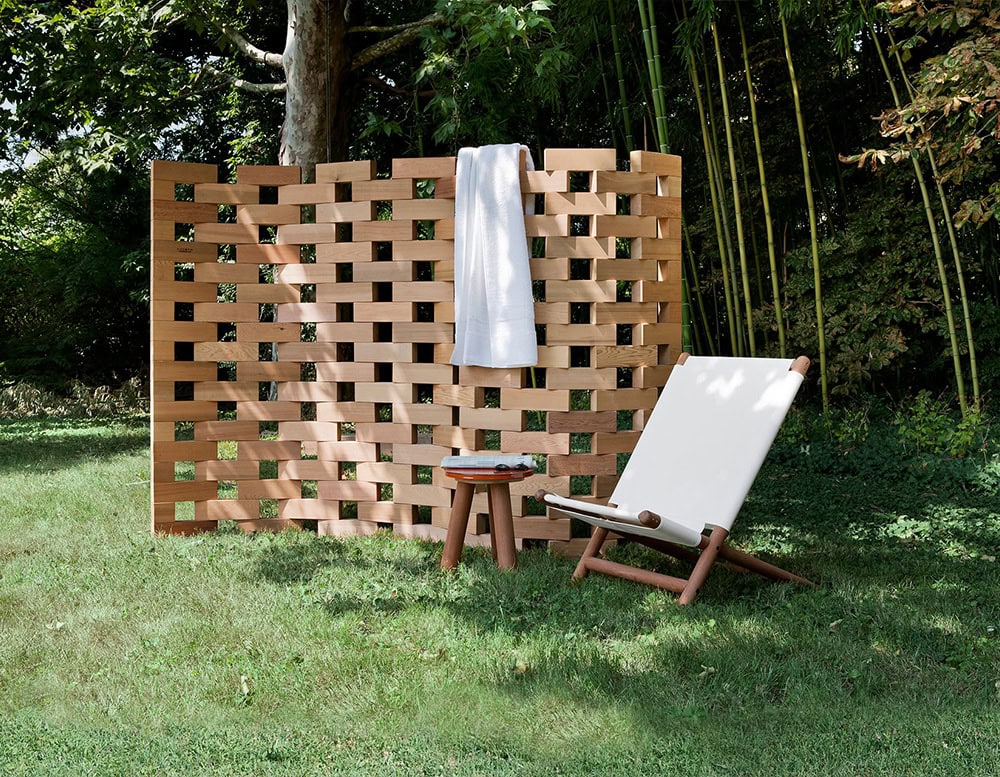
x=701 y=449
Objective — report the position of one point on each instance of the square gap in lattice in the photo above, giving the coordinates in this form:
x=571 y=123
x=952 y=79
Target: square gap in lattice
x=423 y=271
x=581 y=269
x=183 y=391
x=623 y=334
x=183 y=272
x=579 y=181
x=307 y=253
x=225 y=371
x=184 y=192
x=425 y=188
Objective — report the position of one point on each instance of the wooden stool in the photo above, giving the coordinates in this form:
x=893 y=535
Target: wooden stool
x=501 y=520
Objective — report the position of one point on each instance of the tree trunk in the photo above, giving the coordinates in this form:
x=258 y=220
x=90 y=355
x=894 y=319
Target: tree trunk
x=317 y=67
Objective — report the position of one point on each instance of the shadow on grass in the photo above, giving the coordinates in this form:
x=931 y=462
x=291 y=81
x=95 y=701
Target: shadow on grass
x=896 y=616
x=47 y=445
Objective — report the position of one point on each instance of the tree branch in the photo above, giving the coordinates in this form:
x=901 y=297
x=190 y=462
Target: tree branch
x=246 y=47
x=246 y=86
x=385 y=87
x=407 y=34
x=388 y=30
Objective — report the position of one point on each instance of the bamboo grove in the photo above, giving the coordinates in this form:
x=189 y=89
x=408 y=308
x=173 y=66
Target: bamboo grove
x=739 y=271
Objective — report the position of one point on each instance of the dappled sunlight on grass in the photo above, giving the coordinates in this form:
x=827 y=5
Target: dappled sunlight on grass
x=354 y=648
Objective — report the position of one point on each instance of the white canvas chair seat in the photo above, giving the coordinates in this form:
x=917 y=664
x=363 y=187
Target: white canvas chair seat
x=693 y=465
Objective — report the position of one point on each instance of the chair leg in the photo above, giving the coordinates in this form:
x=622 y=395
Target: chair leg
x=593 y=547
x=704 y=565
x=754 y=564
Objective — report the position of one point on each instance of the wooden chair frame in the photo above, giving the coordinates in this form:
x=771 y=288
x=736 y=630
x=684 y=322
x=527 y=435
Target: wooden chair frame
x=711 y=547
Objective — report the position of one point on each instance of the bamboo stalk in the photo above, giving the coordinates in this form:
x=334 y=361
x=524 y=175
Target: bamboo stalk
x=935 y=239
x=730 y=318
x=952 y=236
x=622 y=94
x=764 y=197
x=661 y=103
x=693 y=273
x=604 y=78
x=811 y=206
x=737 y=201
x=729 y=258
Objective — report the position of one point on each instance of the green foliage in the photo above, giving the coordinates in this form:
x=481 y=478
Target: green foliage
x=881 y=299
x=491 y=66
x=954 y=110
x=927 y=425
x=73 y=274
x=25 y=400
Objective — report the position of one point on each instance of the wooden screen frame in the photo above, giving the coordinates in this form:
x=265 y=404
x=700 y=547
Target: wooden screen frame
x=300 y=371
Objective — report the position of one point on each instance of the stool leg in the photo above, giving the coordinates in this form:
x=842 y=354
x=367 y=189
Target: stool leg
x=493 y=535
x=502 y=526
x=454 y=540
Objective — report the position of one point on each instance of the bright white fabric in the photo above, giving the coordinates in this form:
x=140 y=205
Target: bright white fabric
x=707 y=437
x=612 y=518
x=701 y=448
x=494 y=309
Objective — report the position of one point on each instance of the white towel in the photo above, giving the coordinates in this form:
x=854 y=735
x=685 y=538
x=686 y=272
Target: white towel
x=494 y=309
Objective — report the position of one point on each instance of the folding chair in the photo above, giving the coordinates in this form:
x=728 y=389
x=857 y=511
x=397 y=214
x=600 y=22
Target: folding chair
x=691 y=469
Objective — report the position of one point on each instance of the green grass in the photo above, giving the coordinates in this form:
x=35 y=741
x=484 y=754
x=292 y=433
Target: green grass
x=289 y=654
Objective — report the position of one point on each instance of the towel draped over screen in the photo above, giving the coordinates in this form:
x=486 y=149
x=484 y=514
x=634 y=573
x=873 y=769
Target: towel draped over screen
x=494 y=309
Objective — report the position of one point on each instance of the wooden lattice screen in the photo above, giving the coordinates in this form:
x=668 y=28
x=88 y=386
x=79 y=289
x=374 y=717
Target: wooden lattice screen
x=301 y=335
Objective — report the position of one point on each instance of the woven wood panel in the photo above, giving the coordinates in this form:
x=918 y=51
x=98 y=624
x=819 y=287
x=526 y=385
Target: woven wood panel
x=301 y=335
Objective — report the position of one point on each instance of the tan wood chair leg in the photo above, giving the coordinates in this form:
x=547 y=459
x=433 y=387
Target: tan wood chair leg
x=704 y=565
x=502 y=525
x=454 y=540
x=593 y=548
x=754 y=564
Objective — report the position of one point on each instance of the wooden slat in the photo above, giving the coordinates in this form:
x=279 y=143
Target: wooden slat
x=383 y=339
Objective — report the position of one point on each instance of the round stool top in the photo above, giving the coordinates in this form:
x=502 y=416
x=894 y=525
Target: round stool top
x=487 y=474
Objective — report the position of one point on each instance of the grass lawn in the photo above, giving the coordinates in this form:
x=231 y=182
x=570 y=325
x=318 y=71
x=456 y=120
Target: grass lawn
x=289 y=654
